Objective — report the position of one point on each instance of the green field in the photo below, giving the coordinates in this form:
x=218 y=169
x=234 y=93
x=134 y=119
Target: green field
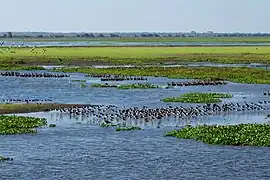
x=133 y=55
x=147 y=39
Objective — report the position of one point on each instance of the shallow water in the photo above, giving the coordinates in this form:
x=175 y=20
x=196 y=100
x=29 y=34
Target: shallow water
x=111 y=43
x=199 y=64
x=87 y=151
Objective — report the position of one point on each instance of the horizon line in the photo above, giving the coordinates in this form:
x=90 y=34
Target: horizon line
x=198 y=32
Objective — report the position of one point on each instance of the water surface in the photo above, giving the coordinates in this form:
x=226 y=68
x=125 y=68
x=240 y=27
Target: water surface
x=88 y=151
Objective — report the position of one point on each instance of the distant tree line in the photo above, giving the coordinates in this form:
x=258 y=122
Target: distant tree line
x=117 y=35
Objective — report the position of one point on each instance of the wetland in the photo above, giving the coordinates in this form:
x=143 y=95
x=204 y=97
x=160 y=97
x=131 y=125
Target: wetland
x=111 y=123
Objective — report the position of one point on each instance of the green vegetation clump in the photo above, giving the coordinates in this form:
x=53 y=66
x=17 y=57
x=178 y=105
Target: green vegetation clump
x=52 y=125
x=237 y=135
x=233 y=74
x=198 y=97
x=137 y=86
x=20 y=125
x=103 y=85
x=128 y=128
x=83 y=85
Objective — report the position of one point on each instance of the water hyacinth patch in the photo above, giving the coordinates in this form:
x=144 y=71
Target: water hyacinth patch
x=237 y=135
x=20 y=125
x=198 y=97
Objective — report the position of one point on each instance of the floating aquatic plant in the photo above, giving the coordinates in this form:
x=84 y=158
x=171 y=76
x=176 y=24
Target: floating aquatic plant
x=20 y=125
x=237 y=135
x=103 y=85
x=198 y=97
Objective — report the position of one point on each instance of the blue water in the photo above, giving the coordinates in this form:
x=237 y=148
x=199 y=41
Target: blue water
x=87 y=151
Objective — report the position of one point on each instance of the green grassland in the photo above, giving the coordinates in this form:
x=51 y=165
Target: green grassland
x=132 y=55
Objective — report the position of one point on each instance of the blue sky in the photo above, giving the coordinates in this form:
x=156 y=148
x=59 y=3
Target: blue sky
x=135 y=15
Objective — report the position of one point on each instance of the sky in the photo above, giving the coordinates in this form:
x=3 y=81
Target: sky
x=135 y=15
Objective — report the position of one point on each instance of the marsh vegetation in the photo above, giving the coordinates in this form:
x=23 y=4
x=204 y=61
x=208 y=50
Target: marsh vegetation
x=132 y=55
x=233 y=74
x=237 y=135
x=20 y=125
x=197 y=97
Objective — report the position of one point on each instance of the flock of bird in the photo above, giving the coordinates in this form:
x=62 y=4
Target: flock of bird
x=33 y=75
x=266 y=93
x=11 y=101
x=111 y=114
x=109 y=77
x=197 y=83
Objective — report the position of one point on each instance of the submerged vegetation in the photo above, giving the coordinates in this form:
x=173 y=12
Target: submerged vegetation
x=138 y=86
x=20 y=125
x=128 y=128
x=198 y=97
x=119 y=128
x=126 y=86
x=237 y=135
x=106 y=85
x=233 y=74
